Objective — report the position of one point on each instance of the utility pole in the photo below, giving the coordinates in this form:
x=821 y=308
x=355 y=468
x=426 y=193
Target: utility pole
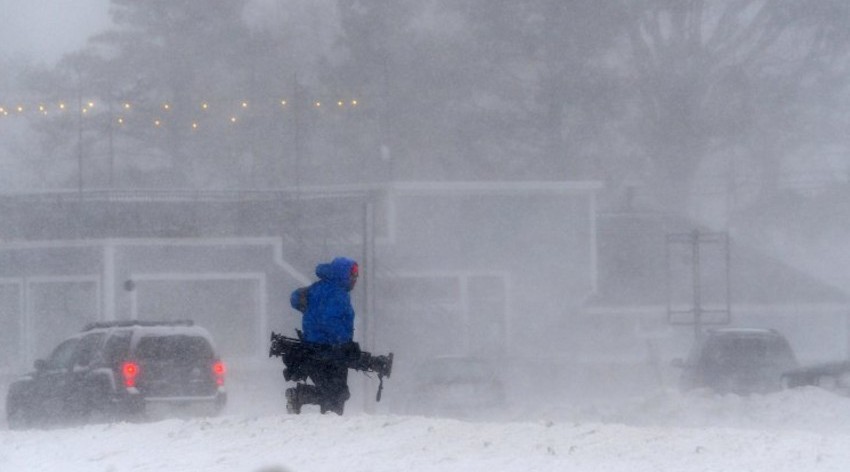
x=111 y=142
x=297 y=135
x=296 y=104
x=80 y=111
x=368 y=277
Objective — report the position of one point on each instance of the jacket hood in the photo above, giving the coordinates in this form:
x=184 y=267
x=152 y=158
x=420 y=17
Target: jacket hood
x=338 y=271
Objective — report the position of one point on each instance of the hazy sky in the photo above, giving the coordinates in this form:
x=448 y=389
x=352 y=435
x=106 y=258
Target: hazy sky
x=46 y=29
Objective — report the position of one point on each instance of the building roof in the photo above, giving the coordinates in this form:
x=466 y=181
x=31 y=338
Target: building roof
x=639 y=267
x=305 y=191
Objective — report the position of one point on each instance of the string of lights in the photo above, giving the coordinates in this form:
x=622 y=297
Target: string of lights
x=157 y=115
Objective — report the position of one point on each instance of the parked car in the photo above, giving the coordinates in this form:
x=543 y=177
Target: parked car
x=832 y=376
x=457 y=386
x=122 y=369
x=738 y=360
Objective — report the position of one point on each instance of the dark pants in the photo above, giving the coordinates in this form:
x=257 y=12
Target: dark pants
x=330 y=383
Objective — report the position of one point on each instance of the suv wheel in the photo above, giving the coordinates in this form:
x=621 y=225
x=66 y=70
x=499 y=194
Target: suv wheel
x=99 y=407
x=17 y=416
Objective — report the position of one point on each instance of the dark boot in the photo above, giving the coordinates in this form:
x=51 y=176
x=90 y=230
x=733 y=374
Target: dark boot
x=300 y=395
x=334 y=407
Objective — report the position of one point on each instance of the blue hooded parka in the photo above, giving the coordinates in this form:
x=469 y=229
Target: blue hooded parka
x=328 y=314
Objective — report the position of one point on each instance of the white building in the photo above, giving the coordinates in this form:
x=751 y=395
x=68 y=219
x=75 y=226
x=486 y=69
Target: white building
x=462 y=268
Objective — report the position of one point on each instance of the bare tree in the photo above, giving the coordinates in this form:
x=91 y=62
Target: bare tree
x=713 y=76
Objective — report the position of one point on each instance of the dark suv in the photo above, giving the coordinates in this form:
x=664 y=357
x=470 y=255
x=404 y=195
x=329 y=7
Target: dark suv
x=738 y=360
x=121 y=369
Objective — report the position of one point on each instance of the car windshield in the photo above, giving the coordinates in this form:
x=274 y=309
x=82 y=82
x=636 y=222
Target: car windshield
x=174 y=348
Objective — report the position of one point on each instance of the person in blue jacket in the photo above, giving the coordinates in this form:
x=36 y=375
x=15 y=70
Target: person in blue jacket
x=328 y=326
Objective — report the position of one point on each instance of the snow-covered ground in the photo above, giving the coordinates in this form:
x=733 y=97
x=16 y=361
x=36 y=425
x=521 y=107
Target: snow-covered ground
x=799 y=430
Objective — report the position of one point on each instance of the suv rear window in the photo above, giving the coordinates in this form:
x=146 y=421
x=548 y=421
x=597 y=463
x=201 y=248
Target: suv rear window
x=174 y=347
x=747 y=350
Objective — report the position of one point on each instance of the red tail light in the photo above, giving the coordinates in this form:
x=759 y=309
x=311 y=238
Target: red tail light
x=218 y=370
x=130 y=371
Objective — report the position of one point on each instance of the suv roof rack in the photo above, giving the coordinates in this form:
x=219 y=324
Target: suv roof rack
x=128 y=323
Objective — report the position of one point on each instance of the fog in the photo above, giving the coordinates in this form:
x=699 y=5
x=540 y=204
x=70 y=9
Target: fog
x=523 y=182
x=43 y=30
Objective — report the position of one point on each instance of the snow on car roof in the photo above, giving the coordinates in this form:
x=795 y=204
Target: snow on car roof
x=744 y=330
x=134 y=323
x=153 y=328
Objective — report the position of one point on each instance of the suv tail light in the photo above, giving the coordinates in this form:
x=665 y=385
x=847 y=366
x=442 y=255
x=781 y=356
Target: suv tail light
x=218 y=370
x=130 y=370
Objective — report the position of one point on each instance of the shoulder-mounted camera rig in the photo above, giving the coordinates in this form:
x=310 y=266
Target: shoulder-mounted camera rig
x=299 y=356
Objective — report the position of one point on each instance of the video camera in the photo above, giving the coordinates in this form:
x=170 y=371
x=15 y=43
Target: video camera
x=299 y=356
